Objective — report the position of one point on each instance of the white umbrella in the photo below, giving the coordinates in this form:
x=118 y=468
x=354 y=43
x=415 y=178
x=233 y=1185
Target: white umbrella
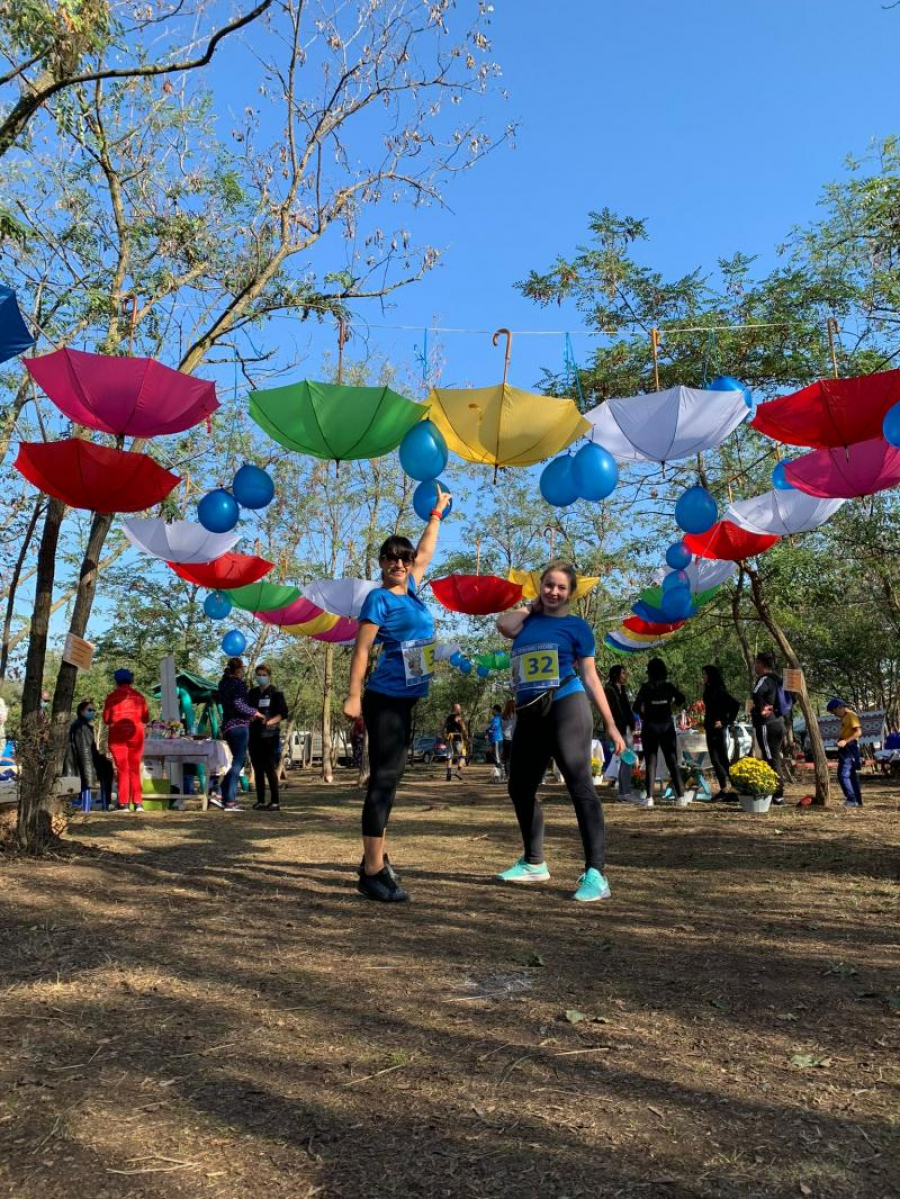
x=444 y=650
x=702 y=573
x=664 y=426
x=782 y=512
x=340 y=597
x=182 y=541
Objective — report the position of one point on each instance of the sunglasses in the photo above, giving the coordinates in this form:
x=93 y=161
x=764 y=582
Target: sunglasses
x=407 y=557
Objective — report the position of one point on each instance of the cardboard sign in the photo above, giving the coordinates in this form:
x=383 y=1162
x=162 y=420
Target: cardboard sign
x=793 y=679
x=78 y=652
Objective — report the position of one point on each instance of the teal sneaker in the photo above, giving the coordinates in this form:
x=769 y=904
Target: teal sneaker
x=592 y=885
x=524 y=872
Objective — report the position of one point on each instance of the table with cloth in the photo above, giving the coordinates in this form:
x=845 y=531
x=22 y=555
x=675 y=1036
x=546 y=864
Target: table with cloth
x=174 y=752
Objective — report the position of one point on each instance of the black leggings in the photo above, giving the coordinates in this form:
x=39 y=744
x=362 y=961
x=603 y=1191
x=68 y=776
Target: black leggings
x=264 y=758
x=564 y=734
x=770 y=735
x=389 y=725
x=661 y=738
x=717 y=745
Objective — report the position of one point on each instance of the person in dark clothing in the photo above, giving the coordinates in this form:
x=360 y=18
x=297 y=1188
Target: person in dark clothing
x=768 y=719
x=720 y=710
x=237 y=715
x=457 y=733
x=620 y=705
x=653 y=703
x=265 y=737
x=84 y=758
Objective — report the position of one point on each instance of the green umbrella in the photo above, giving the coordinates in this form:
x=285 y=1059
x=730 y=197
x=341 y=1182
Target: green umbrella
x=328 y=420
x=653 y=597
x=263 y=596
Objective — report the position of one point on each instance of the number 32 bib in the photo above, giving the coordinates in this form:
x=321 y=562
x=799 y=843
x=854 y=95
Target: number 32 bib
x=535 y=668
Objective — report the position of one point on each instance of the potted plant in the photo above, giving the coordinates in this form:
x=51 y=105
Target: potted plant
x=755 y=783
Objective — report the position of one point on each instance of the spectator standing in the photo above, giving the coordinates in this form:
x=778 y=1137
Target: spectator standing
x=617 y=697
x=768 y=718
x=495 y=739
x=654 y=703
x=125 y=713
x=508 y=725
x=848 y=751
x=264 y=742
x=720 y=710
x=457 y=733
x=237 y=713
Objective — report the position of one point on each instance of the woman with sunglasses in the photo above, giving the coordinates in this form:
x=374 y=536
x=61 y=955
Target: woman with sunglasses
x=394 y=617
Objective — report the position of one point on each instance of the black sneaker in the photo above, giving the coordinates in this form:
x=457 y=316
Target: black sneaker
x=273 y=807
x=259 y=806
x=387 y=866
x=382 y=887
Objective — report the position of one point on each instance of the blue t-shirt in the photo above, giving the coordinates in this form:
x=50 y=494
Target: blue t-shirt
x=544 y=653
x=406 y=635
x=495 y=732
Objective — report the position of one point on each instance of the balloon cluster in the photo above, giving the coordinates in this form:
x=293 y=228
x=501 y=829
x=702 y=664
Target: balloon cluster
x=220 y=509
x=591 y=474
x=423 y=455
x=484 y=664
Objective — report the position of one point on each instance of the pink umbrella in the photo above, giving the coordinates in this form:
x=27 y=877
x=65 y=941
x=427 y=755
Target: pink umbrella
x=137 y=396
x=845 y=473
x=298 y=612
x=345 y=630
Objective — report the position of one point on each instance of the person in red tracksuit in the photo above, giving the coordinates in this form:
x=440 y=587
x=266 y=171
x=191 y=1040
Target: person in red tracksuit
x=125 y=712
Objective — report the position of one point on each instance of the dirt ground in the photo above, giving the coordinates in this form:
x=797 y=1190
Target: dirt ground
x=201 y=1005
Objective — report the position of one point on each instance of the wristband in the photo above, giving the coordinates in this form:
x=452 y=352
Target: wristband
x=436 y=512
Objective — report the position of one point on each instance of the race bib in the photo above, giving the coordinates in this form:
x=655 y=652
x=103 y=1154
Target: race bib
x=264 y=703
x=535 y=668
x=418 y=661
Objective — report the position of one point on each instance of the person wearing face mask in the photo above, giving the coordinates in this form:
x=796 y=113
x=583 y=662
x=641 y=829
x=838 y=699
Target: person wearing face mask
x=265 y=737
x=395 y=617
x=237 y=716
x=82 y=755
x=554 y=673
x=125 y=713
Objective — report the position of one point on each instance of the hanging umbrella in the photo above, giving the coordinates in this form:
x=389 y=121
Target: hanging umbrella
x=699 y=599
x=297 y=612
x=224 y=573
x=341 y=633
x=178 y=540
x=309 y=628
x=665 y=426
x=615 y=641
x=95 y=477
x=729 y=542
x=704 y=574
x=262 y=596
x=626 y=635
x=830 y=412
x=135 y=396
x=445 y=650
x=782 y=512
x=634 y=624
x=329 y=420
x=530 y=582
x=476 y=595
x=14 y=335
x=343 y=597
x=858 y=470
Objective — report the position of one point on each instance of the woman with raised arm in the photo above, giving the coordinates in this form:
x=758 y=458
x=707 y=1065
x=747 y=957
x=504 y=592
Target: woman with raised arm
x=553 y=673
x=394 y=617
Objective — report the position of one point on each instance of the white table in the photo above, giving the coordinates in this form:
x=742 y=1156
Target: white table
x=173 y=752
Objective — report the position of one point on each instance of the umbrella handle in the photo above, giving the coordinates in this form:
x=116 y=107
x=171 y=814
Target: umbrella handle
x=508 y=335
x=833 y=327
x=129 y=309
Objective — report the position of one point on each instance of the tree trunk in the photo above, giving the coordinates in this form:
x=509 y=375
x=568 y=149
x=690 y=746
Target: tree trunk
x=820 y=761
x=14 y=583
x=327 y=689
x=739 y=628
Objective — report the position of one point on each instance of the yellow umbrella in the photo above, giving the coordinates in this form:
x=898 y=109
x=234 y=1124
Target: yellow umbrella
x=656 y=638
x=502 y=425
x=319 y=624
x=530 y=582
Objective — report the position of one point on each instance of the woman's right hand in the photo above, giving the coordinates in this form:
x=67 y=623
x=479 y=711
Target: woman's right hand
x=352 y=707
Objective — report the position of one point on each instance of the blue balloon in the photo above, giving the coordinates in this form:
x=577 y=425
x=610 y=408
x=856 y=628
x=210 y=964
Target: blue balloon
x=482 y=672
x=678 y=556
x=465 y=666
x=218 y=511
x=217 y=605
x=423 y=451
x=425 y=498
x=728 y=383
x=676 y=578
x=780 y=481
x=234 y=643
x=595 y=472
x=558 y=486
x=456 y=659
x=891 y=426
x=696 y=510
x=253 y=487
x=677 y=603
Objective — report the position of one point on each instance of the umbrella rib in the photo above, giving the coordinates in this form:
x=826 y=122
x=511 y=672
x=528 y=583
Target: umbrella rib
x=349 y=451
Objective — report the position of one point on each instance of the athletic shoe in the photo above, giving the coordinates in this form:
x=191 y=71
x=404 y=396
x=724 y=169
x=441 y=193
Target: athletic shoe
x=646 y=801
x=387 y=866
x=215 y=801
x=629 y=798
x=525 y=872
x=273 y=807
x=381 y=886
x=592 y=886
x=231 y=807
x=851 y=803
x=122 y=807
x=138 y=807
x=778 y=801
x=259 y=807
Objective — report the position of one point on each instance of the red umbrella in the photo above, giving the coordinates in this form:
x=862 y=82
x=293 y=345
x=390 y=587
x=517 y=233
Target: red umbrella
x=728 y=542
x=830 y=412
x=230 y=570
x=138 y=396
x=637 y=624
x=840 y=473
x=96 y=477
x=476 y=595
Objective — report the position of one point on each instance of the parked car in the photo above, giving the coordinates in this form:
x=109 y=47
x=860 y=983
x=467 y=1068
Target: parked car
x=429 y=749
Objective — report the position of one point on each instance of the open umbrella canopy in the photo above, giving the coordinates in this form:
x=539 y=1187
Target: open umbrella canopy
x=343 y=597
x=309 y=628
x=476 y=595
x=830 y=412
x=704 y=574
x=840 y=473
x=178 y=540
x=135 y=396
x=96 y=477
x=297 y=612
x=729 y=542
x=503 y=426
x=699 y=599
x=225 y=573
x=781 y=512
x=262 y=596
x=621 y=645
x=530 y=582
x=340 y=633
x=329 y=420
x=14 y=335
x=635 y=625
x=626 y=635
x=665 y=426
